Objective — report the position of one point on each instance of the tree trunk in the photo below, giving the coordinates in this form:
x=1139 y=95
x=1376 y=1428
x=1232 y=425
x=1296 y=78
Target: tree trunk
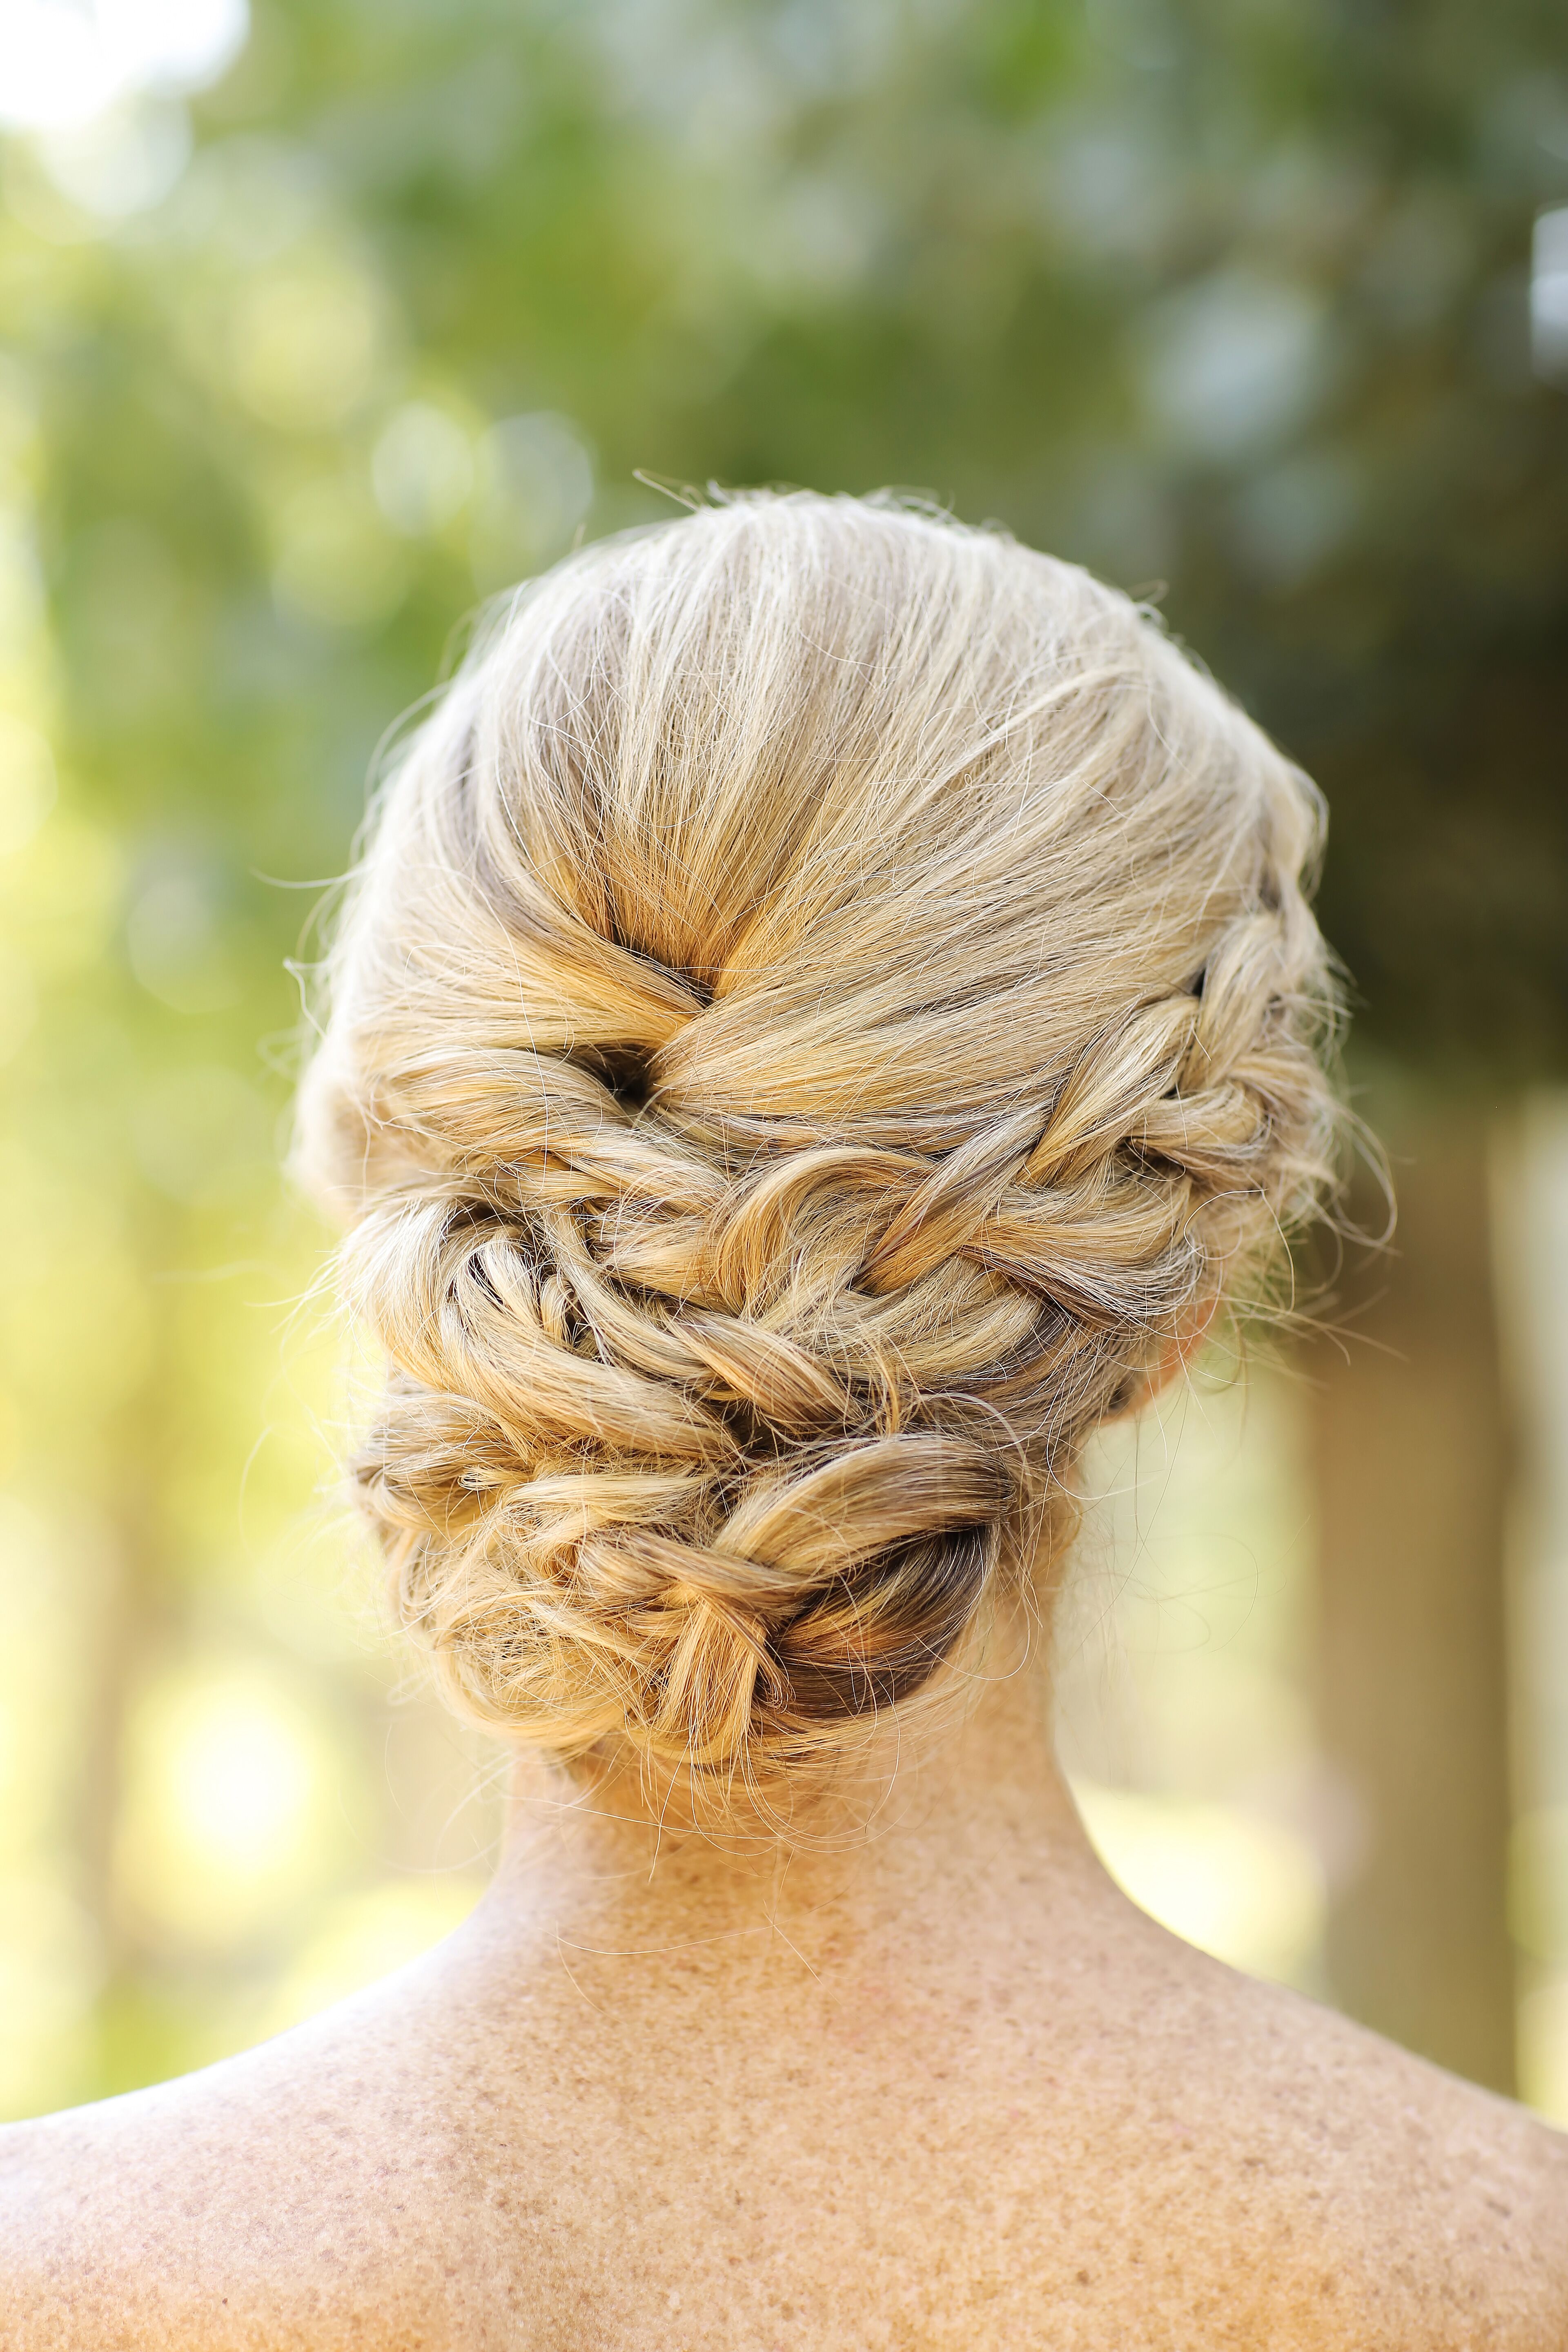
x=1411 y=1457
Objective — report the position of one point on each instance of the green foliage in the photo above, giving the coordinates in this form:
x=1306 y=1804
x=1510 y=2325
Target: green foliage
x=1226 y=296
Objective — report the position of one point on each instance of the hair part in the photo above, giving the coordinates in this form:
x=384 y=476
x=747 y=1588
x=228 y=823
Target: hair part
x=828 y=996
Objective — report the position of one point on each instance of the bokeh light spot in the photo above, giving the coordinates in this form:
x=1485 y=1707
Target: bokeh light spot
x=231 y=1810
x=125 y=161
x=306 y=344
x=66 y=64
x=423 y=469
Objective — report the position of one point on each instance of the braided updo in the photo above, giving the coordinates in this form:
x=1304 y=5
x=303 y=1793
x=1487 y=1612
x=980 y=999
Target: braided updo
x=828 y=999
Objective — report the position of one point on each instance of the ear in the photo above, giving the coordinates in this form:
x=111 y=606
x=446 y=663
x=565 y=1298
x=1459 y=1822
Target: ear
x=1189 y=1337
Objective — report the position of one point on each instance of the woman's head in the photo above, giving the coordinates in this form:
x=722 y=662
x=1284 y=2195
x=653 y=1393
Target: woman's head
x=829 y=999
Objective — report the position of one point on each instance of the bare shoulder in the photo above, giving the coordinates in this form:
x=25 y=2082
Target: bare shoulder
x=293 y=2197
x=1334 y=2085
x=1144 y=2148
x=1160 y=2154
x=1418 y=2200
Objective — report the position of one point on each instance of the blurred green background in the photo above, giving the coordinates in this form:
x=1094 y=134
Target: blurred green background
x=321 y=322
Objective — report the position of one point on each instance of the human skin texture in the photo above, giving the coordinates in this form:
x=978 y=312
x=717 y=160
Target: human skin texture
x=943 y=2085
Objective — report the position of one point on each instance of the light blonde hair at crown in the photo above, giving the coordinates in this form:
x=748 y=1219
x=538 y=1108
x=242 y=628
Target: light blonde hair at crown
x=828 y=995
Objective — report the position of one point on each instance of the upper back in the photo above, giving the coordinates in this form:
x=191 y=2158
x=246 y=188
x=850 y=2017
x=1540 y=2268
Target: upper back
x=1127 y=2145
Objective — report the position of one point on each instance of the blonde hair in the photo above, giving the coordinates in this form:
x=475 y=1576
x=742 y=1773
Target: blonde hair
x=828 y=994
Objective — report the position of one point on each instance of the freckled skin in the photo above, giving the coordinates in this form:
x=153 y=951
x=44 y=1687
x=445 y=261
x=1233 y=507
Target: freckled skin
x=946 y=2089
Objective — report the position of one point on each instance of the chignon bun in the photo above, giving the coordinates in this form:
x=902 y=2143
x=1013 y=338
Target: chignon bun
x=827 y=995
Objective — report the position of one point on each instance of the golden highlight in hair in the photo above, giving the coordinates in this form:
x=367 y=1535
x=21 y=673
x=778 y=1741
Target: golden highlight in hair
x=829 y=997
